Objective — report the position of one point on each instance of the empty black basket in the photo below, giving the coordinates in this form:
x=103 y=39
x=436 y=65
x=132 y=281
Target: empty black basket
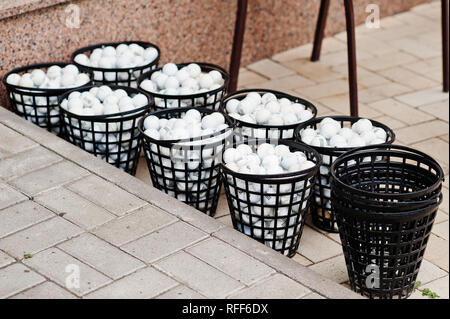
x=321 y=208
x=246 y=130
x=39 y=106
x=114 y=138
x=117 y=76
x=188 y=169
x=385 y=199
x=210 y=99
x=278 y=219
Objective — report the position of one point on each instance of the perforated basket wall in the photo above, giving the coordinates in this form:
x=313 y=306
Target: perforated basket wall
x=385 y=201
x=209 y=99
x=39 y=106
x=188 y=169
x=117 y=76
x=245 y=130
x=272 y=208
x=114 y=138
x=321 y=208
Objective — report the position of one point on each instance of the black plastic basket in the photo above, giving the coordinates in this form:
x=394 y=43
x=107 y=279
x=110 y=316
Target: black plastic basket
x=188 y=169
x=385 y=199
x=321 y=208
x=210 y=99
x=245 y=130
x=278 y=219
x=114 y=138
x=39 y=106
x=117 y=76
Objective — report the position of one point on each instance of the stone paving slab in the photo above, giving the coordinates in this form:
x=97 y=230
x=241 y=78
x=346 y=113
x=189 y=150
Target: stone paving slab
x=101 y=255
x=75 y=208
x=22 y=163
x=143 y=284
x=17 y=277
x=58 y=266
x=48 y=178
x=195 y=273
x=21 y=216
x=46 y=290
x=38 y=237
x=123 y=237
x=10 y=196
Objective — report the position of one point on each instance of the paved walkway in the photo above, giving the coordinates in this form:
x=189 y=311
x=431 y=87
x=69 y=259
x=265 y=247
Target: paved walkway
x=399 y=76
x=74 y=226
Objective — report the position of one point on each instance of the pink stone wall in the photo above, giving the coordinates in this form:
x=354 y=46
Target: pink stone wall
x=185 y=30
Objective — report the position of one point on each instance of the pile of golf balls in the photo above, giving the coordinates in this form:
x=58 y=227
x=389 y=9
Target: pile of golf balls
x=330 y=134
x=259 y=202
x=103 y=100
x=188 y=80
x=187 y=168
x=267 y=109
x=190 y=125
x=110 y=141
x=54 y=77
x=123 y=56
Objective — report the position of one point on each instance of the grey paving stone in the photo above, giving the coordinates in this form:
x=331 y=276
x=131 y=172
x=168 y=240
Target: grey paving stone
x=25 y=162
x=101 y=255
x=21 y=216
x=46 y=290
x=143 y=284
x=429 y=272
x=282 y=264
x=5 y=259
x=39 y=237
x=67 y=271
x=333 y=268
x=16 y=278
x=164 y=242
x=313 y=295
x=9 y=196
x=49 y=177
x=230 y=260
x=75 y=208
x=181 y=292
x=107 y=195
x=276 y=287
x=134 y=225
x=198 y=275
x=159 y=199
x=13 y=142
x=316 y=246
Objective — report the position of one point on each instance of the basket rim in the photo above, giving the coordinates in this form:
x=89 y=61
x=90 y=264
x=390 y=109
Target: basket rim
x=339 y=150
x=387 y=149
x=375 y=205
x=192 y=139
x=253 y=177
x=203 y=65
x=385 y=217
x=122 y=116
x=91 y=48
x=57 y=91
x=279 y=94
